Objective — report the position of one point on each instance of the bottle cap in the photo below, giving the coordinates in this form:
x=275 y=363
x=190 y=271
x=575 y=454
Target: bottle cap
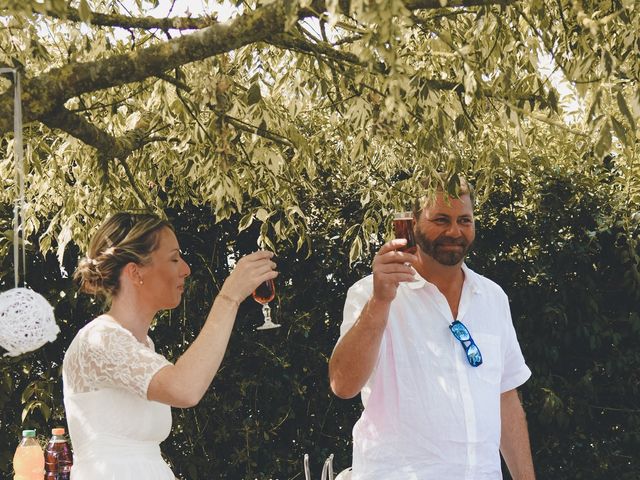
x=28 y=433
x=57 y=431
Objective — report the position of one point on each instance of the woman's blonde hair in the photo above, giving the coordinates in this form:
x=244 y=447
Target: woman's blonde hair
x=123 y=238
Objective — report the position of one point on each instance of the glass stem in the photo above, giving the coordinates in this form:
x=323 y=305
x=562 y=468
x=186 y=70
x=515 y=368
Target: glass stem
x=266 y=311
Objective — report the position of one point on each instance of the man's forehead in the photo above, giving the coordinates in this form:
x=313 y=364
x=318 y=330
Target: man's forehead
x=443 y=202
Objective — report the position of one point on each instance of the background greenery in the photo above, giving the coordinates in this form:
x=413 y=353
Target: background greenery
x=558 y=245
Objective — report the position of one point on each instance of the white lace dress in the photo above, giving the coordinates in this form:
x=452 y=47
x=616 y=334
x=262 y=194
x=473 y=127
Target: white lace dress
x=115 y=431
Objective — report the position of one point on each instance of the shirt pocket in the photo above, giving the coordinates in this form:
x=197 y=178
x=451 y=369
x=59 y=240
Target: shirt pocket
x=491 y=369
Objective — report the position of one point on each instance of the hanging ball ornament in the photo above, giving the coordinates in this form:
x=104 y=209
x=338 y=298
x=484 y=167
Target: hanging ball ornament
x=26 y=321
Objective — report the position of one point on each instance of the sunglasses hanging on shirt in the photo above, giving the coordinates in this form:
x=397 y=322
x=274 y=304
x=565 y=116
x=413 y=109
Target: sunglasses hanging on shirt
x=464 y=337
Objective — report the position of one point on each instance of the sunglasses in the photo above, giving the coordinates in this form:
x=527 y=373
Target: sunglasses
x=470 y=348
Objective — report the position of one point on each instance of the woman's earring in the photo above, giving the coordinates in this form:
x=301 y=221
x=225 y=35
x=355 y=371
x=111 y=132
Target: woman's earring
x=141 y=282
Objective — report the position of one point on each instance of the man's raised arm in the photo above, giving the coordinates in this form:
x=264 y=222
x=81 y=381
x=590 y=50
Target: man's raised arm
x=355 y=356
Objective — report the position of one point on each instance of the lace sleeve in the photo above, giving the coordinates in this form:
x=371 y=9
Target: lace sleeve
x=108 y=356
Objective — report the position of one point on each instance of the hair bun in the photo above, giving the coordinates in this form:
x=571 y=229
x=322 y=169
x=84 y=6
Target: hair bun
x=88 y=275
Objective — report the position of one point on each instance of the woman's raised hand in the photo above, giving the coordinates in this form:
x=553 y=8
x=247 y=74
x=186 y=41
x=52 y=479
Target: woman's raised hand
x=249 y=272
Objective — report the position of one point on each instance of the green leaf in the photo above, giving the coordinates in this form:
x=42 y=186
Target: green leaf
x=84 y=11
x=28 y=392
x=262 y=214
x=603 y=146
x=254 y=95
x=552 y=99
x=619 y=129
x=594 y=106
x=36 y=405
x=355 y=250
x=453 y=184
x=245 y=222
x=624 y=109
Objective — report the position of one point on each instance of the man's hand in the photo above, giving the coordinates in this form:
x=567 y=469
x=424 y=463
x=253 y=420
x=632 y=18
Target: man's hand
x=390 y=267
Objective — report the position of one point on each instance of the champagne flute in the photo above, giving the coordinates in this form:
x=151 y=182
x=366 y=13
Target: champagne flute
x=403 y=228
x=265 y=292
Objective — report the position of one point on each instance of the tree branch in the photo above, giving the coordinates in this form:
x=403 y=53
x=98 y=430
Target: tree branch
x=78 y=127
x=43 y=94
x=262 y=132
x=542 y=118
x=107 y=145
x=126 y=21
x=174 y=81
x=289 y=42
x=320 y=5
x=132 y=181
x=435 y=4
x=298 y=44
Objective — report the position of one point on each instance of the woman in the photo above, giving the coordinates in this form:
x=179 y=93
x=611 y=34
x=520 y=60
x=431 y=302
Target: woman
x=117 y=390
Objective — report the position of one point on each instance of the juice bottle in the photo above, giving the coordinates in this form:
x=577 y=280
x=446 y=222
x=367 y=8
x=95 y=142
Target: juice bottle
x=58 y=459
x=28 y=461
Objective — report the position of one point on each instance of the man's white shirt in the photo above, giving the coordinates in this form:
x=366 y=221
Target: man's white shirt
x=428 y=414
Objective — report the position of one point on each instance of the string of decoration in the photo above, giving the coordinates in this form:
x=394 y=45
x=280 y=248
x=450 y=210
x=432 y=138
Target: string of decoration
x=26 y=318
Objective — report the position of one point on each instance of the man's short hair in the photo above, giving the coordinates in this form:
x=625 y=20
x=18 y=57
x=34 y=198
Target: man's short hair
x=455 y=186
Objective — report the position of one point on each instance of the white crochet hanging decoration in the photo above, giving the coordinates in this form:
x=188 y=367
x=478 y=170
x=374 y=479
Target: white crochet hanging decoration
x=26 y=318
x=26 y=321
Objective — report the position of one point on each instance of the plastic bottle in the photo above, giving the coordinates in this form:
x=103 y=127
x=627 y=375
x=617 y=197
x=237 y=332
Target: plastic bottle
x=58 y=459
x=28 y=461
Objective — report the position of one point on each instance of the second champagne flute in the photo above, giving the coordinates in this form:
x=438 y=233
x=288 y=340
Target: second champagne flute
x=265 y=292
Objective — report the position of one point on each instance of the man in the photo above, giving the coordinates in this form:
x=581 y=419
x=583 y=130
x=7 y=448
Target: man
x=435 y=408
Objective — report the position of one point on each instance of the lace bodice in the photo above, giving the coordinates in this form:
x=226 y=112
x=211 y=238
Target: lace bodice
x=115 y=431
x=106 y=355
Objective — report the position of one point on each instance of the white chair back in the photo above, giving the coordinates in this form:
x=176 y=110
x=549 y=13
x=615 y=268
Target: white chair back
x=327 y=469
x=307 y=471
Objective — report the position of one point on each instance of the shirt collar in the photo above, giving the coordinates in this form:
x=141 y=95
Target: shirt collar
x=470 y=280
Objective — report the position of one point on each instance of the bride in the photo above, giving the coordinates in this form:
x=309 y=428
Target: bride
x=117 y=390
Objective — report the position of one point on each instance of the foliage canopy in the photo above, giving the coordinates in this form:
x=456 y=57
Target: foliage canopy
x=305 y=123
x=128 y=111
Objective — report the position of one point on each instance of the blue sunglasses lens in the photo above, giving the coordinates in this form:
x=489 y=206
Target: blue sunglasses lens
x=473 y=355
x=460 y=331
x=471 y=349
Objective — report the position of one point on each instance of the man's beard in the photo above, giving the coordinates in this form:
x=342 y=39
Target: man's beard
x=444 y=257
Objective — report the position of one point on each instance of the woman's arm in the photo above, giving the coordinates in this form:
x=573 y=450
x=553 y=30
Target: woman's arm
x=184 y=384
